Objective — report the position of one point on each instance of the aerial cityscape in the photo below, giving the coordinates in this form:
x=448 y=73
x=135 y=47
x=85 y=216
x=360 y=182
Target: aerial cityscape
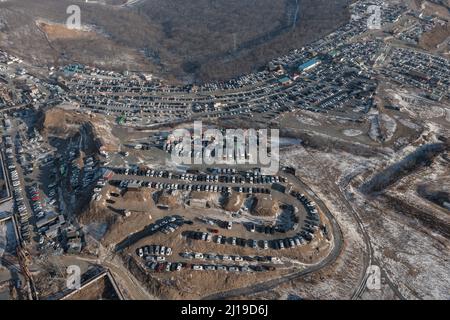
x=225 y=150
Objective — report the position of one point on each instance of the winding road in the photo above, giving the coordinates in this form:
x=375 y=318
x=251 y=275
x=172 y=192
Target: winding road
x=270 y=284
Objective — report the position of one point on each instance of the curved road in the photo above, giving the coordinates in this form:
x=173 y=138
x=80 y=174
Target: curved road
x=270 y=284
x=369 y=257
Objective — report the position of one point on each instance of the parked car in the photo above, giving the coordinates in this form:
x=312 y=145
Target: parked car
x=198 y=255
x=221 y=268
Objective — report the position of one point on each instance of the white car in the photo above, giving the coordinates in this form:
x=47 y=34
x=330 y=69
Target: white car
x=275 y=259
x=198 y=256
x=291 y=243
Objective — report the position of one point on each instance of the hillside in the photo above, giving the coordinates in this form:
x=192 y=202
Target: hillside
x=189 y=41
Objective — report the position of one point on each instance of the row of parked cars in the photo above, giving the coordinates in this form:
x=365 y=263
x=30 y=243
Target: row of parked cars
x=154 y=250
x=34 y=194
x=313 y=219
x=97 y=196
x=200 y=187
x=188 y=187
x=148 y=173
x=232 y=178
x=17 y=194
x=299 y=239
x=177 y=266
x=249 y=178
x=89 y=172
x=252 y=227
x=235 y=241
x=197 y=187
x=251 y=190
x=224 y=257
x=164 y=267
x=175 y=186
x=168 y=224
x=260 y=228
x=211 y=267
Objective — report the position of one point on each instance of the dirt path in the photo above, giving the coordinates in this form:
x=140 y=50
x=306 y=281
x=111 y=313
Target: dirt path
x=130 y=285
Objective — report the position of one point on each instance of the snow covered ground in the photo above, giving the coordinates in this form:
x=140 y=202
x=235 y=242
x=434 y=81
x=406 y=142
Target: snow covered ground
x=411 y=256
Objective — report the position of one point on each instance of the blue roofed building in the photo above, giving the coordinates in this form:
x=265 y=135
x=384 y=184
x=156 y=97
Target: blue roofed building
x=309 y=65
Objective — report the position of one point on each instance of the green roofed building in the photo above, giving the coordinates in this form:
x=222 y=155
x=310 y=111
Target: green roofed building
x=285 y=81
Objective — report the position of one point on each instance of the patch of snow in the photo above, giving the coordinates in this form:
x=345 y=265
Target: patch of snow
x=307 y=121
x=389 y=125
x=409 y=124
x=352 y=132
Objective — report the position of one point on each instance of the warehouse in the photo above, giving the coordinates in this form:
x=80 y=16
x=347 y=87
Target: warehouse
x=308 y=65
